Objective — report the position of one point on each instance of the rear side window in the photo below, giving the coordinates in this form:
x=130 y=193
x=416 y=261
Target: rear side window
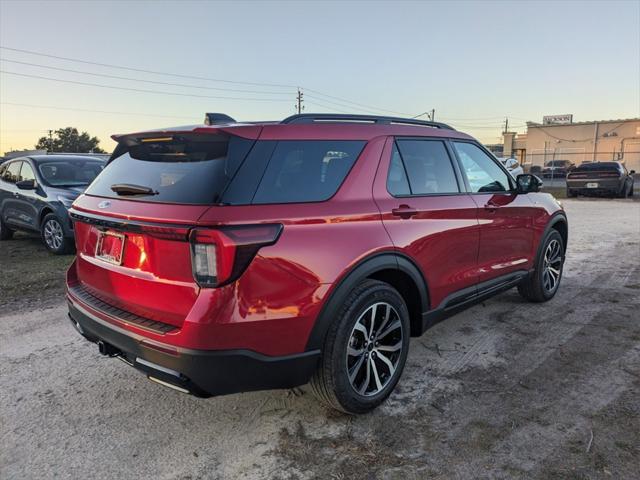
x=12 y=173
x=306 y=170
x=193 y=170
x=427 y=165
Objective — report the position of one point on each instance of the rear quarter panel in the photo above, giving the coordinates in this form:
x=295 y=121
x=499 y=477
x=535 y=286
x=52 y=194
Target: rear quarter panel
x=281 y=293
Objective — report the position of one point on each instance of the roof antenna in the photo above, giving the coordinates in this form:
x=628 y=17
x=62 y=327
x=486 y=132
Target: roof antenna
x=217 y=119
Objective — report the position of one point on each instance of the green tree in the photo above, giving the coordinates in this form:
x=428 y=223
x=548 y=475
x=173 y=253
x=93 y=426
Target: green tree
x=69 y=140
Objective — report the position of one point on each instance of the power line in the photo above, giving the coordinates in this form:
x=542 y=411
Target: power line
x=155 y=72
x=117 y=77
x=140 y=90
x=52 y=107
x=349 y=104
x=327 y=107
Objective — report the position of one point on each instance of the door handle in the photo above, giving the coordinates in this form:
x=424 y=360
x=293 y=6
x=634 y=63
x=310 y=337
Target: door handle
x=404 y=211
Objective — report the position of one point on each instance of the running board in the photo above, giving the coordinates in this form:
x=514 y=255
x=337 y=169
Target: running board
x=467 y=297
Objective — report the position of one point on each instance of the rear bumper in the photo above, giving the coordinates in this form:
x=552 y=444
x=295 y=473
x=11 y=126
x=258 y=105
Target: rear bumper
x=603 y=185
x=202 y=373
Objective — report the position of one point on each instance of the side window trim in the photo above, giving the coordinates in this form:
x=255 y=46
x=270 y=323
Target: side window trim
x=512 y=187
x=462 y=187
x=404 y=169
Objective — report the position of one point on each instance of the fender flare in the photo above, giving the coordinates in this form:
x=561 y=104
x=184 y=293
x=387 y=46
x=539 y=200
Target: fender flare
x=364 y=269
x=558 y=217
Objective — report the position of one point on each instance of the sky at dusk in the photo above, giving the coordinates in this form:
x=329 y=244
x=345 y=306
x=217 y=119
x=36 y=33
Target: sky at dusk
x=475 y=63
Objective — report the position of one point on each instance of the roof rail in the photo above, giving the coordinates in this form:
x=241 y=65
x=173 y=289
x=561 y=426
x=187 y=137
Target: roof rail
x=339 y=117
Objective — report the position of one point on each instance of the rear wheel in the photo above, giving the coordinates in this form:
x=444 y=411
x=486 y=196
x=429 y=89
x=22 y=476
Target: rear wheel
x=624 y=193
x=543 y=283
x=53 y=235
x=5 y=232
x=365 y=349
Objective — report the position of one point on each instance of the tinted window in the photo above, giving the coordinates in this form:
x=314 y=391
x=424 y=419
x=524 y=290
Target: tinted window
x=192 y=170
x=428 y=167
x=12 y=173
x=483 y=173
x=306 y=170
x=70 y=173
x=27 y=172
x=599 y=166
x=397 y=183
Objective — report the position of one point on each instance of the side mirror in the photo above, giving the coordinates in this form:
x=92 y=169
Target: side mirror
x=26 y=184
x=528 y=183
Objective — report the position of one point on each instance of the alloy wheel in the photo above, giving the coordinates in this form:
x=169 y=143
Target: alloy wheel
x=374 y=349
x=552 y=268
x=53 y=235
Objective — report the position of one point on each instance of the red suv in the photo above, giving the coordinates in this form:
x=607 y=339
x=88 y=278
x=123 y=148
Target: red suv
x=230 y=256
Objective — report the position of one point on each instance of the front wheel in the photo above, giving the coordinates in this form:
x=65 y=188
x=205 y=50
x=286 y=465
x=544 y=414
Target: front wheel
x=365 y=349
x=53 y=236
x=543 y=283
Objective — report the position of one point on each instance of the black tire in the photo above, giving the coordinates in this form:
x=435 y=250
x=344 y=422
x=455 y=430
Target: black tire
x=571 y=193
x=5 y=232
x=631 y=191
x=331 y=383
x=624 y=193
x=534 y=287
x=53 y=237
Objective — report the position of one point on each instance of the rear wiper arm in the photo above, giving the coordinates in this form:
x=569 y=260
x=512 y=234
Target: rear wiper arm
x=130 y=189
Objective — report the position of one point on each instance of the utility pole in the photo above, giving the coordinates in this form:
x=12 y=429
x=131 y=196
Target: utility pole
x=299 y=101
x=50 y=140
x=506 y=125
x=430 y=115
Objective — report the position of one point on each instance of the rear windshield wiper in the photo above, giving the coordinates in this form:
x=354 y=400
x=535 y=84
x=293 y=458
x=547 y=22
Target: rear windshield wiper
x=130 y=189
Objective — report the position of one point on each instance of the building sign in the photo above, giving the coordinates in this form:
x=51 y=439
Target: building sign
x=557 y=119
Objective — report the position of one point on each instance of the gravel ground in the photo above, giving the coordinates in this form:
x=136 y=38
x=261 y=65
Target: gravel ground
x=506 y=389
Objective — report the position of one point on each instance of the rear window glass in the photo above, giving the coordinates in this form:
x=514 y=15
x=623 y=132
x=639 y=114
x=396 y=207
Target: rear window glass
x=185 y=171
x=428 y=166
x=607 y=166
x=306 y=170
x=70 y=173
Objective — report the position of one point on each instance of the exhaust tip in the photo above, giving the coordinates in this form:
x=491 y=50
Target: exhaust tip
x=167 y=384
x=107 y=349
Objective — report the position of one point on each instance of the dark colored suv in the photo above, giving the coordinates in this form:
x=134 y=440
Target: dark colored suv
x=37 y=191
x=231 y=257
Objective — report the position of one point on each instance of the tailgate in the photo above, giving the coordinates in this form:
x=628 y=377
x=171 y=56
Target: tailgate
x=152 y=278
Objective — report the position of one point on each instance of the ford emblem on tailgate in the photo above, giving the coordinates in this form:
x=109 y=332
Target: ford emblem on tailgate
x=104 y=204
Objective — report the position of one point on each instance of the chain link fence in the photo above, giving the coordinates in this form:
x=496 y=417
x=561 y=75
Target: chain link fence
x=553 y=165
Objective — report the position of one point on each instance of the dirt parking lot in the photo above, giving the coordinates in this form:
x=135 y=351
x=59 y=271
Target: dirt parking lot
x=506 y=390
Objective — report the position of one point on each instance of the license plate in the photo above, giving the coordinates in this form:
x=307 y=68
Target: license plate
x=110 y=247
x=592 y=185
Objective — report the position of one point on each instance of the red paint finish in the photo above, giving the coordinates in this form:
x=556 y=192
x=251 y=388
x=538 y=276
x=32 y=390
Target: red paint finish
x=442 y=237
x=456 y=241
x=506 y=234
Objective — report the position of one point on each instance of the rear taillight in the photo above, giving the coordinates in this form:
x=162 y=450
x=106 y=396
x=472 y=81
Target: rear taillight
x=220 y=255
